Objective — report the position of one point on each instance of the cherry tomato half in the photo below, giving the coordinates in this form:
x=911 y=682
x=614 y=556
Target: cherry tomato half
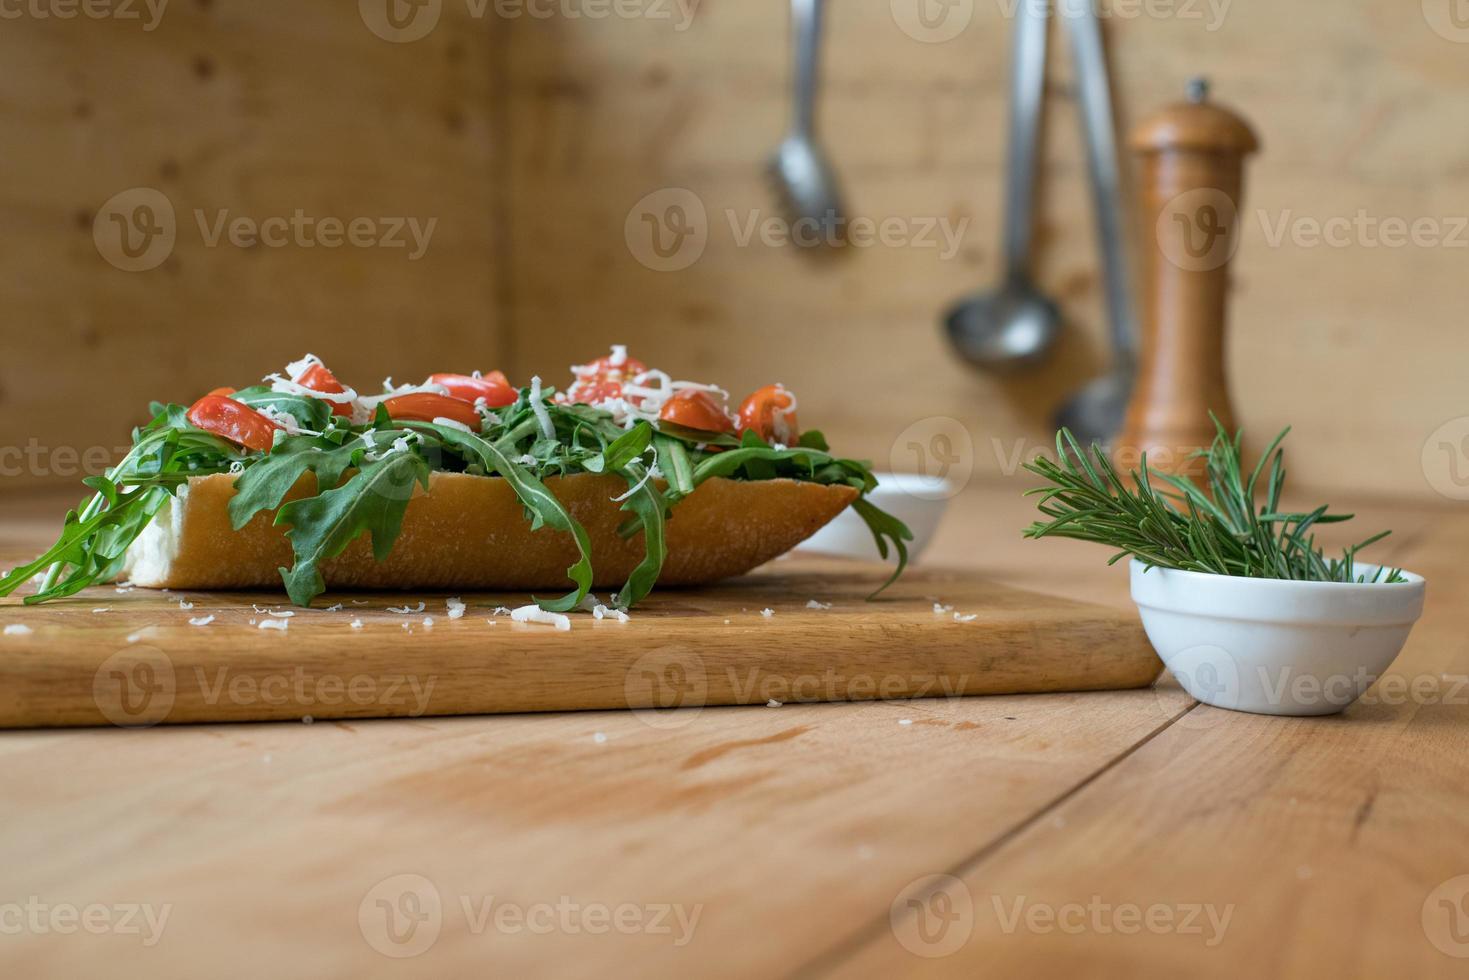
x=492 y=387
x=234 y=421
x=594 y=392
x=319 y=378
x=425 y=406
x=603 y=369
x=770 y=412
x=695 y=409
x=223 y=392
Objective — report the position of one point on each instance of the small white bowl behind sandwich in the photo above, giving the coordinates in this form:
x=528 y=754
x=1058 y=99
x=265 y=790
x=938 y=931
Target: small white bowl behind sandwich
x=918 y=501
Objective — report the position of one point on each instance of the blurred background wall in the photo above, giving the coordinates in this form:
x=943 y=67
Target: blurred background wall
x=532 y=135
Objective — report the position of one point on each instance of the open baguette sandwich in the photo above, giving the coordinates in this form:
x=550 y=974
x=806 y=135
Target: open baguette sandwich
x=623 y=480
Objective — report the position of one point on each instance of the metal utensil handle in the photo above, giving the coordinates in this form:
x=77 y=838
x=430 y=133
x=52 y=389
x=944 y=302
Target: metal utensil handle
x=1095 y=96
x=806 y=16
x=1027 y=88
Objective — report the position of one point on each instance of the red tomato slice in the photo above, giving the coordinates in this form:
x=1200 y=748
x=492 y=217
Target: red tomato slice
x=770 y=412
x=492 y=387
x=319 y=378
x=223 y=392
x=695 y=409
x=234 y=421
x=425 y=406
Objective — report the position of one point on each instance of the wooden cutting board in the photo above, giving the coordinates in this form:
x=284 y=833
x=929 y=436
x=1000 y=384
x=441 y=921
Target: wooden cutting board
x=141 y=662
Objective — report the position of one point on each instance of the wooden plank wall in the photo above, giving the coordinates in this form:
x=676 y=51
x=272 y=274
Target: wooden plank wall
x=532 y=139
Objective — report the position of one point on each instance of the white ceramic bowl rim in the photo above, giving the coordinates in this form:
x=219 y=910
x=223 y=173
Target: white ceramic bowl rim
x=1279 y=600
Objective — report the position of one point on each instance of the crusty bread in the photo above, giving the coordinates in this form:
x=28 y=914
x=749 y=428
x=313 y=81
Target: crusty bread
x=471 y=532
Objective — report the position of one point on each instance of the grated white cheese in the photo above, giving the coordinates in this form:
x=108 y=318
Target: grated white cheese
x=185 y=605
x=767 y=613
x=813 y=604
x=905 y=721
x=201 y=620
x=538 y=406
x=428 y=622
x=604 y=612
x=599 y=737
x=102 y=609
x=456 y=607
x=406 y=610
x=772 y=703
x=336 y=608
x=274 y=624
x=282 y=614
x=357 y=624
x=941 y=610
x=18 y=629
x=535 y=614
x=961 y=618
x=453 y=424
x=500 y=611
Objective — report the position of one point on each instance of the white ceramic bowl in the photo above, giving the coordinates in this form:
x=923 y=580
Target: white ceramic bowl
x=1275 y=647
x=917 y=501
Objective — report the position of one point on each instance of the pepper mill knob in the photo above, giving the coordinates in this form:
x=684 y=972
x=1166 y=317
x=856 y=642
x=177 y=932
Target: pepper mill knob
x=1191 y=175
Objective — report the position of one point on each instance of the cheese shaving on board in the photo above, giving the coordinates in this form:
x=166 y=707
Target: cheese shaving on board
x=535 y=614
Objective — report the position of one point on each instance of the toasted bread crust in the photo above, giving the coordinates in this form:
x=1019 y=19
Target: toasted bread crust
x=471 y=532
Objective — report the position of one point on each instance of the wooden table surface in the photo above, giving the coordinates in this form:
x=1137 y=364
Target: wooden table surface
x=1114 y=834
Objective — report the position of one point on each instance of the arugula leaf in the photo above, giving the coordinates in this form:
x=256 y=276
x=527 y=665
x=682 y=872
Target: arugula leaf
x=372 y=502
x=648 y=504
x=884 y=526
x=94 y=540
x=309 y=413
x=265 y=484
x=673 y=462
x=623 y=450
x=545 y=509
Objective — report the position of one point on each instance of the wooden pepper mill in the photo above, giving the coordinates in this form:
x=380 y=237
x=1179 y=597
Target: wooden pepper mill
x=1191 y=175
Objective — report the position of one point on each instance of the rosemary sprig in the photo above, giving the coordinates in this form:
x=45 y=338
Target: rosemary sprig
x=1217 y=529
